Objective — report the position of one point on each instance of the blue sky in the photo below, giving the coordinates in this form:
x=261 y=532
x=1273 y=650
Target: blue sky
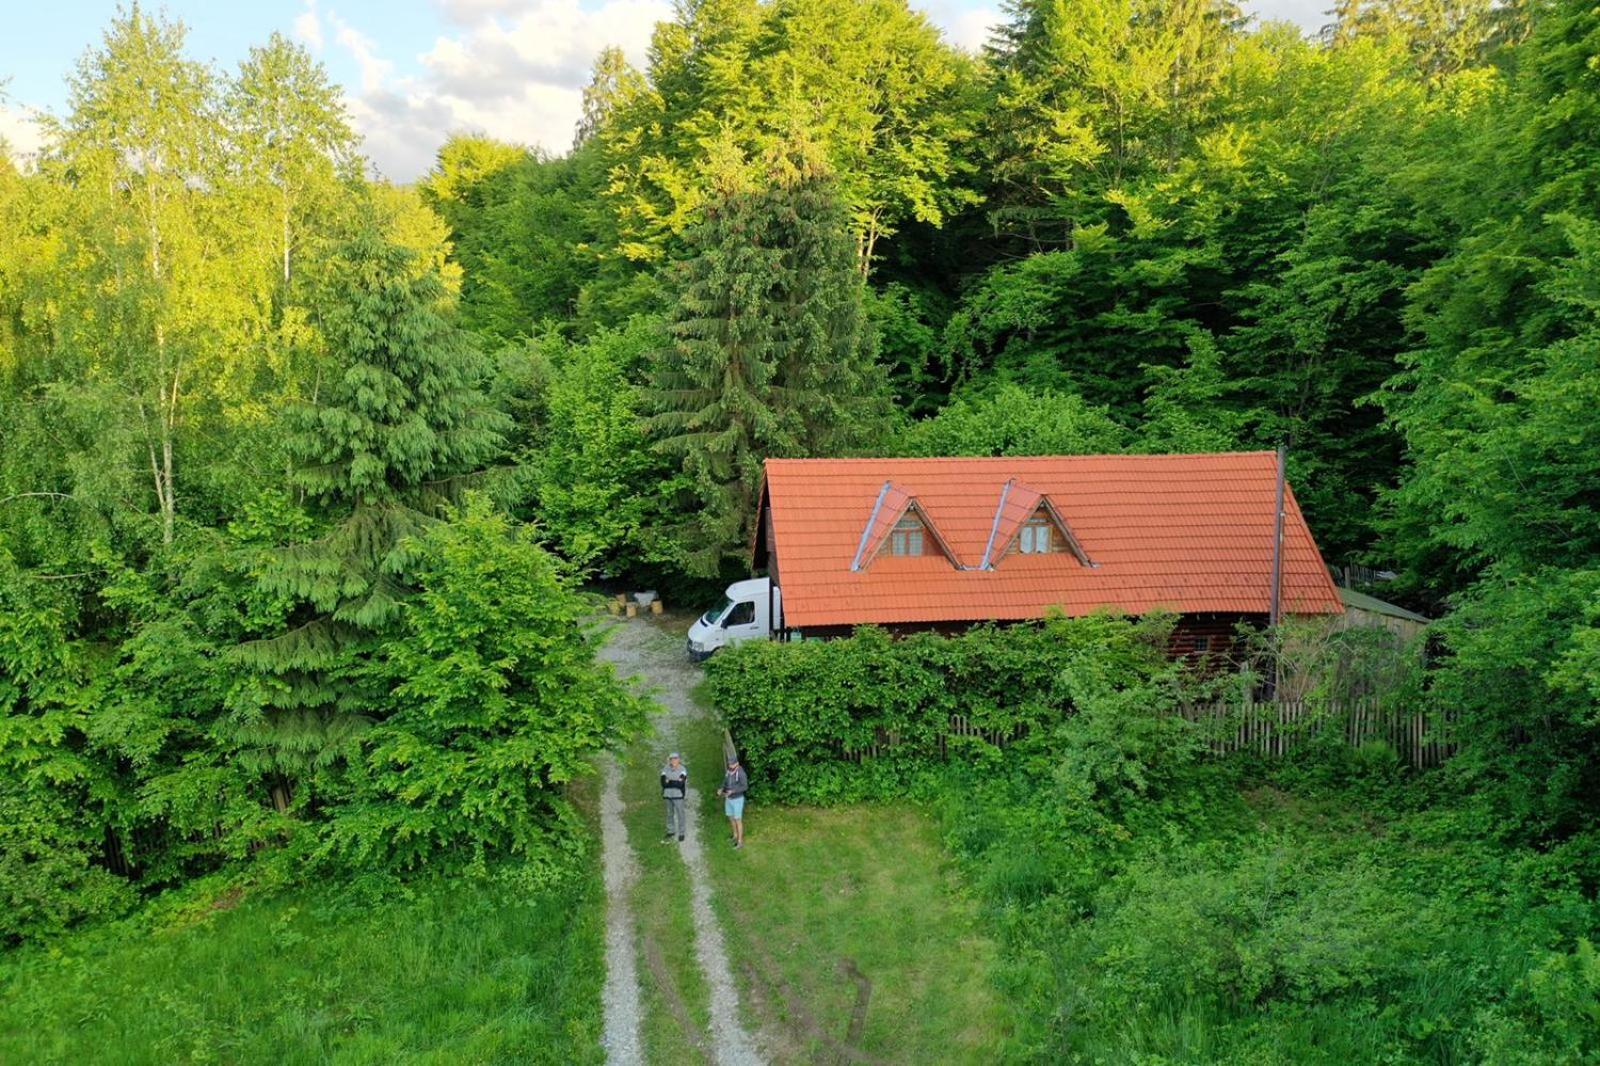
x=413 y=70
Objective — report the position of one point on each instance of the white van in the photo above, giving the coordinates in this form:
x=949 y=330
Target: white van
x=749 y=610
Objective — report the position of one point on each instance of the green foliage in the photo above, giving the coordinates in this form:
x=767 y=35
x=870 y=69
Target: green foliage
x=239 y=626
x=885 y=103
x=770 y=354
x=1187 y=409
x=294 y=134
x=1330 y=907
x=400 y=426
x=603 y=494
x=1010 y=420
x=520 y=224
x=451 y=969
x=1497 y=405
x=799 y=710
x=49 y=875
x=496 y=705
x=1225 y=913
x=1554 y=1014
x=50 y=837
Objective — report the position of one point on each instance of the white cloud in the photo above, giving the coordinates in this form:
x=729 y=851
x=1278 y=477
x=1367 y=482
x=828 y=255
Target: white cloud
x=515 y=71
x=20 y=131
x=375 y=70
x=964 y=27
x=308 y=26
x=469 y=12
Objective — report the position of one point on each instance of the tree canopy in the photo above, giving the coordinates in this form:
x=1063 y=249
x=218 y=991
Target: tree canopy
x=248 y=607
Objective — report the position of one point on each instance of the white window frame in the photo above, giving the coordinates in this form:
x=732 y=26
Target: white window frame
x=909 y=537
x=1037 y=536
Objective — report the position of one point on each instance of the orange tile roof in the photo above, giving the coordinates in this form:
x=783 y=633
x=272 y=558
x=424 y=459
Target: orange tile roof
x=1188 y=533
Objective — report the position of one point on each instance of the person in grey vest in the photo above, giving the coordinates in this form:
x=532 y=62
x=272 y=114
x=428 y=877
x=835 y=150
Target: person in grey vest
x=675 y=789
x=735 y=783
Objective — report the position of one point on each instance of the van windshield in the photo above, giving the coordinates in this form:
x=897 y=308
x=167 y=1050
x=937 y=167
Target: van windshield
x=713 y=616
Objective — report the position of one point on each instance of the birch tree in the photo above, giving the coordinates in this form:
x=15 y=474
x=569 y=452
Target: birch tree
x=136 y=153
x=293 y=137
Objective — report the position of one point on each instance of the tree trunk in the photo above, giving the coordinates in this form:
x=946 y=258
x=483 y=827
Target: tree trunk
x=167 y=407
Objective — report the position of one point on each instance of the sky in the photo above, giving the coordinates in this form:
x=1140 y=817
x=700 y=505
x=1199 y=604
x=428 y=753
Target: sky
x=414 y=71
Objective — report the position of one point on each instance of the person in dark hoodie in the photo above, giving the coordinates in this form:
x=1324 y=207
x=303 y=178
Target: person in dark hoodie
x=735 y=783
x=675 y=789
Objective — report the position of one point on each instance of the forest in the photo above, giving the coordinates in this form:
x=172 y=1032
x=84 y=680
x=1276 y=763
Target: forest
x=305 y=475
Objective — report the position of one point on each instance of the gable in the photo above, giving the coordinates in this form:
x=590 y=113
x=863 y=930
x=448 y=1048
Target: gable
x=893 y=506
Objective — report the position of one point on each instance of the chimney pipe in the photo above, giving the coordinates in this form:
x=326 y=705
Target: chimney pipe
x=1274 y=612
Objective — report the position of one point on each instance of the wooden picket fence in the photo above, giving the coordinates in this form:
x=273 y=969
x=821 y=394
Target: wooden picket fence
x=1274 y=728
x=1269 y=728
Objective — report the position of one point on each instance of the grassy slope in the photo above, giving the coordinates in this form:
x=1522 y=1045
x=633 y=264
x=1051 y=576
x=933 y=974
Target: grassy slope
x=462 y=973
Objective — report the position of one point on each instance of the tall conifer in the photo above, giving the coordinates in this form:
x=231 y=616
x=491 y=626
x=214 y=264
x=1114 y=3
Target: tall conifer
x=399 y=427
x=771 y=353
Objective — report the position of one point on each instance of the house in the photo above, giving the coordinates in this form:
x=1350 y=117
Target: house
x=913 y=544
x=1364 y=610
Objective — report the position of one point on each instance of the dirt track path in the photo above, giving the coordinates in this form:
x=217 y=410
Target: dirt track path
x=620 y=998
x=640 y=650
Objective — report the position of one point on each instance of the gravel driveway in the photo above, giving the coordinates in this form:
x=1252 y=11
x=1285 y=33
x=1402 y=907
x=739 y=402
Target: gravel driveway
x=657 y=660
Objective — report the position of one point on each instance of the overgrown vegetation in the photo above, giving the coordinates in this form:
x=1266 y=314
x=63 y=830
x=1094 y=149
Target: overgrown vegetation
x=298 y=470
x=1154 y=901
x=449 y=970
x=806 y=711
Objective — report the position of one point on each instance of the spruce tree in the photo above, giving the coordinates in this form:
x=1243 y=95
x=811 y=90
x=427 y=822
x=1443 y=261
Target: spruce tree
x=771 y=353
x=399 y=427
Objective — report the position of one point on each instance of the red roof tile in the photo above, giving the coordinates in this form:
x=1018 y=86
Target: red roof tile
x=1016 y=505
x=1189 y=533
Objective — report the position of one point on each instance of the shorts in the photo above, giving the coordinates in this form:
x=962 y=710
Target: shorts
x=733 y=806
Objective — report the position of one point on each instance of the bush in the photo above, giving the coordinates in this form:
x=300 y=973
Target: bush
x=52 y=823
x=49 y=879
x=497 y=703
x=1554 y=1014
x=800 y=710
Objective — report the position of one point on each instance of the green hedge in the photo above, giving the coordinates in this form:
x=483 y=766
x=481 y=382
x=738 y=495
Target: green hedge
x=796 y=709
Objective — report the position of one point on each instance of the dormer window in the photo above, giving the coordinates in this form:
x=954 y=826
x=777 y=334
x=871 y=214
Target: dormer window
x=1034 y=538
x=907 y=536
x=1039 y=535
x=898 y=526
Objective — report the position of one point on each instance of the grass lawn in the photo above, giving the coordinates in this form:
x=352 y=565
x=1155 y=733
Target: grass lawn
x=821 y=903
x=811 y=889
x=461 y=973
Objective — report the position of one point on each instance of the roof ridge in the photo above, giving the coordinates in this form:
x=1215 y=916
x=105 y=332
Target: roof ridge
x=1016 y=458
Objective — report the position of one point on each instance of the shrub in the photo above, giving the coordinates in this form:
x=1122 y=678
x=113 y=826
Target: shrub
x=49 y=879
x=1553 y=1015
x=52 y=824
x=497 y=703
x=800 y=710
